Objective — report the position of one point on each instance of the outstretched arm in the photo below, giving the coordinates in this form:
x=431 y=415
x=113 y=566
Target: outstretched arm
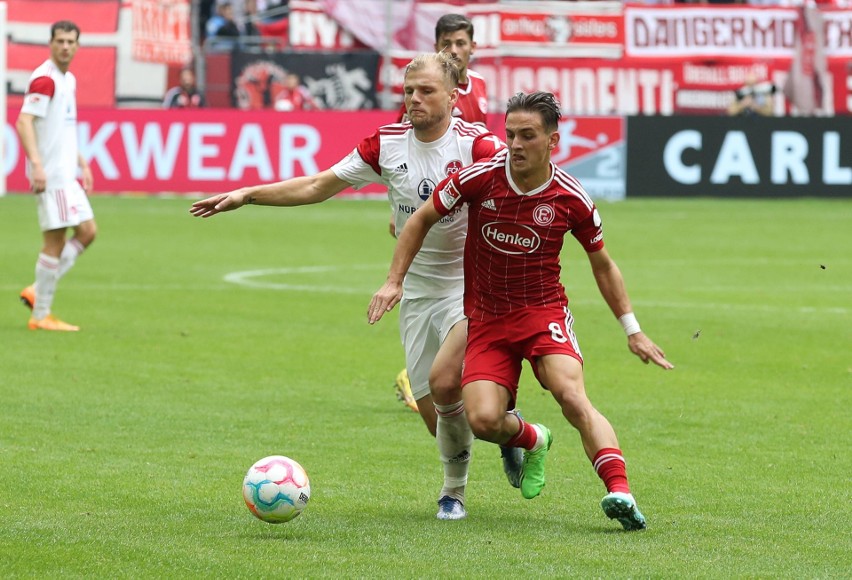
x=611 y=284
x=409 y=243
x=296 y=191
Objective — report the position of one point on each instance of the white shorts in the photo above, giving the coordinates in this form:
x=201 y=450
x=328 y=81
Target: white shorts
x=423 y=326
x=63 y=207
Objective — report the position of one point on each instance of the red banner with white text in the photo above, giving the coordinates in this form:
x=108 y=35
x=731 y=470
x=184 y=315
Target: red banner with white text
x=161 y=31
x=203 y=151
x=641 y=86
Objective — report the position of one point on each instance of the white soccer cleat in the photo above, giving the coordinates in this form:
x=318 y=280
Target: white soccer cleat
x=449 y=508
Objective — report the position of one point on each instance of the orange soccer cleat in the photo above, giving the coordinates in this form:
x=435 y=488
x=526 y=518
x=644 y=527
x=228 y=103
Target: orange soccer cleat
x=403 y=390
x=49 y=322
x=28 y=296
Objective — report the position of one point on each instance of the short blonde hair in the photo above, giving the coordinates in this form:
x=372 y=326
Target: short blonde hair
x=442 y=60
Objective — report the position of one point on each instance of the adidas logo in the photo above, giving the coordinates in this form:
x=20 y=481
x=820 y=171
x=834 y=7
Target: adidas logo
x=402 y=168
x=489 y=204
x=461 y=457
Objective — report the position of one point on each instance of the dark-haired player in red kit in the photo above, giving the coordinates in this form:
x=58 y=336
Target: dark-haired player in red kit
x=521 y=206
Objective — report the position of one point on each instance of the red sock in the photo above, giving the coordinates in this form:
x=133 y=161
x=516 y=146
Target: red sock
x=525 y=438
x=610 y=467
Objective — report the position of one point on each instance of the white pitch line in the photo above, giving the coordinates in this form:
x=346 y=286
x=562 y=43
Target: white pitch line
x=248 y=278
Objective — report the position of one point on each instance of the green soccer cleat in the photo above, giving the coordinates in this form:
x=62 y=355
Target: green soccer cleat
x=532 y=473
x=622 y=507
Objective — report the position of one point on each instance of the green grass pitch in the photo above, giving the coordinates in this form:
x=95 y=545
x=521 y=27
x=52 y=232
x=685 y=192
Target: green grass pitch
x=208 y=344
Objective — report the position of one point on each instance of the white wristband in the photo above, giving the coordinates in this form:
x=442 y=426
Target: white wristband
x=629 y=323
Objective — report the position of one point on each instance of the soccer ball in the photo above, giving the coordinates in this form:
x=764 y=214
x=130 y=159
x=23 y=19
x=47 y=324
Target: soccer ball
x=276 y=489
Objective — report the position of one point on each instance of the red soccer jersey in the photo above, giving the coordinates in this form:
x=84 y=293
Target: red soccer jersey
x=472 y=105
x=511 y=258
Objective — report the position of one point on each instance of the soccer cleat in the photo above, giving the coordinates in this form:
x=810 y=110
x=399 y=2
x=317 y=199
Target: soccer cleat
x=49 y=322
x=28 y=296
x=513 y=464
x=513 y=461
x=403 y=390
x=532 y=472
x=449 y=508
x=622 y=507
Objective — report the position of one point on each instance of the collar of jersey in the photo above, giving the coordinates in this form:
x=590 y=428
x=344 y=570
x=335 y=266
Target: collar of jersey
x=535 y=191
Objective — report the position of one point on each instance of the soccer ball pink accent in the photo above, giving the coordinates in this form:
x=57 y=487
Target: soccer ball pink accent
x=276 y=489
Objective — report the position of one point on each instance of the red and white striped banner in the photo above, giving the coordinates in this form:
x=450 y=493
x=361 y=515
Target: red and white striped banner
x=161 y=31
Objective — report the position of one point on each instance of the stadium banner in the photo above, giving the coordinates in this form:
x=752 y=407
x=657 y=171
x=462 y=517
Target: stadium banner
x=547 y=28
x=755 y=157
x=727 y=31
x=311 y=27
x=153 y=151
x=592 y=149
x=630 y=86
x=344 y=81
x=209 y=151
x=684 y=31
x=161 y=31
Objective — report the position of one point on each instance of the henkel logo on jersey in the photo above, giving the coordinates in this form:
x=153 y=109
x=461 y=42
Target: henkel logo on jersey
x=510 y=238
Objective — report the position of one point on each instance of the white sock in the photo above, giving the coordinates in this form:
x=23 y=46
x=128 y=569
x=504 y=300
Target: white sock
x=455 y=440
x=46 y=276
x=73 y=248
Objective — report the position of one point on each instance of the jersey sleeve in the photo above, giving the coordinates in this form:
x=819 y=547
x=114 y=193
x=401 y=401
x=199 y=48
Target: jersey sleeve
x=485 y=146
x=361 y=167
x=589 y=230
x=447 y=195
x=38 y=96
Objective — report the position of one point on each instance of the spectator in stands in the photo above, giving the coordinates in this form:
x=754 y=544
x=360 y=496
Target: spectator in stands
x=753 y=98
x=251 y=18
x=185 y=95
x=222 y=31
x=294 y=96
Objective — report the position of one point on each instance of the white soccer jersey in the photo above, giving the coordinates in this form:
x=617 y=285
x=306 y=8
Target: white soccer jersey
x=52 y=99
x=411 y=169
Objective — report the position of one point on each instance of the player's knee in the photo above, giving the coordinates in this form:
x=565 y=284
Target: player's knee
x=484 y=424
x=575 y=405
x=86 y=233
x=445 y=387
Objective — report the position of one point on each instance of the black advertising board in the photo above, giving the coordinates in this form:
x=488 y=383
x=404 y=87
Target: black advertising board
x=756 y=157
x=334 y=80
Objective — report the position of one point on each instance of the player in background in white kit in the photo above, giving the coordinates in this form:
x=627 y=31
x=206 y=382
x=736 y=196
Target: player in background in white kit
x=47 y=127
x=410 y=159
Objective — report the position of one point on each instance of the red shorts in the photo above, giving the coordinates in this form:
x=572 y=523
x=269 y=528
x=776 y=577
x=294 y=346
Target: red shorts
x=496 y=348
